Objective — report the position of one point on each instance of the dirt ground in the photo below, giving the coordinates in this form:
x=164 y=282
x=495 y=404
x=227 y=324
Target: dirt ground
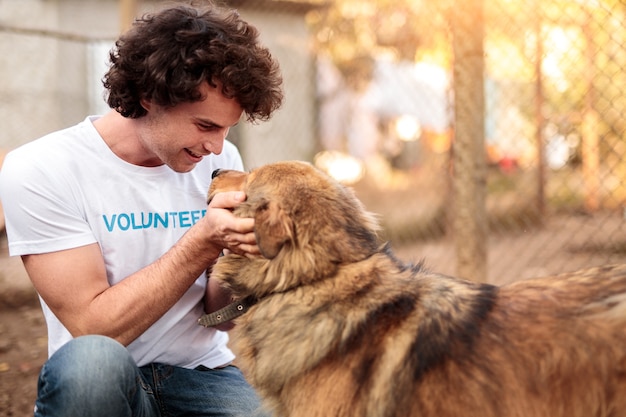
x=23 y=341
x=522 y=255
x=23 y=347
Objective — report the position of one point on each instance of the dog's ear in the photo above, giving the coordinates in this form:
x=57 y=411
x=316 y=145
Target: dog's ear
x=272 y=228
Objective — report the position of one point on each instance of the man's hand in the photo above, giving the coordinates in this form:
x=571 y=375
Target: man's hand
x=232 y=233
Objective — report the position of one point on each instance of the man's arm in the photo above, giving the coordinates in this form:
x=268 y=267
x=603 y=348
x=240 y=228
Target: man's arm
x=73 y=282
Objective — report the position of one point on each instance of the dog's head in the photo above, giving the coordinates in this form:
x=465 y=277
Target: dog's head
x=305 y=221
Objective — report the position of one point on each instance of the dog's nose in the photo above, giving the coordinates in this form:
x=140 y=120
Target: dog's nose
x=215 y=173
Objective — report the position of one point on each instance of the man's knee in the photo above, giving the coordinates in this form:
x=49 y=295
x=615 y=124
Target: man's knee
x=90 y=375
x=93 y=357
x=91 y=360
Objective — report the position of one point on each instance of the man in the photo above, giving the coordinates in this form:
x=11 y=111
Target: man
x=111 y=221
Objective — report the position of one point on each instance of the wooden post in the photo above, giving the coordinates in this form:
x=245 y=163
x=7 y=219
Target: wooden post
x=128 y=11
x=590 y=147
x=469 y=167
x=539 y=118
x=590 y=152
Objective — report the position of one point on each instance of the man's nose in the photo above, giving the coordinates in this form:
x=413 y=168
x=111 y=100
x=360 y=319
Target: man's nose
x=215 y=143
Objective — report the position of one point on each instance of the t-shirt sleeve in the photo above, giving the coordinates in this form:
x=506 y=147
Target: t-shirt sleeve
x=41 y=212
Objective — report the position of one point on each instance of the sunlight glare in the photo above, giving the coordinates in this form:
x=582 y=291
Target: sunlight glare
x=342 y=167
x=408 y=128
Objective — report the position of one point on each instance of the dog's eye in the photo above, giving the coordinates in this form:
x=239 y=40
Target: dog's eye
x=215 y=173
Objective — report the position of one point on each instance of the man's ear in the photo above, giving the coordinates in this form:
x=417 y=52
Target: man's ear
x=272 y=228
x=145 y=103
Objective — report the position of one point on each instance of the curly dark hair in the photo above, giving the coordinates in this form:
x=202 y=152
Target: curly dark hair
x=165 y=57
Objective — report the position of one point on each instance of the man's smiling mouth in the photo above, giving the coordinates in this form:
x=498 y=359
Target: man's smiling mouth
x=195 y=155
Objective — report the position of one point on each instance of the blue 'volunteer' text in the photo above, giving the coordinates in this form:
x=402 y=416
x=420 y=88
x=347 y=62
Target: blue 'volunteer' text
x=136 y=221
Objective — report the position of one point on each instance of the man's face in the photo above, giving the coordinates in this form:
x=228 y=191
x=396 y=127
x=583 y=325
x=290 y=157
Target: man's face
x=180 y=136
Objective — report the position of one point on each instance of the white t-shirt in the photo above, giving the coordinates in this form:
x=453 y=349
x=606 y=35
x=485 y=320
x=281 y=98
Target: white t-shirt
x=68 y=189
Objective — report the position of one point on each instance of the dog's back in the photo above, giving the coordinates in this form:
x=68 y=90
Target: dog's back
x=409 y=343
x=550 y=347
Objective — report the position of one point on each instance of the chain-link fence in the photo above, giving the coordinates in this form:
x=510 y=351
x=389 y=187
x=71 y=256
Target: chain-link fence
x=556 y=131
x=378 y=96
x=553 y=122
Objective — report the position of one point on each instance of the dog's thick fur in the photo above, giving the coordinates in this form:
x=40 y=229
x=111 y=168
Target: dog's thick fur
x=342 y=328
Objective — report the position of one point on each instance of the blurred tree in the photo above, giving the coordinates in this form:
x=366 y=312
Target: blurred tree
x=354 y=32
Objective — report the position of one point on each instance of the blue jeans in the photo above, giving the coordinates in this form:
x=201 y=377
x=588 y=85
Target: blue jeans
x=95 y=376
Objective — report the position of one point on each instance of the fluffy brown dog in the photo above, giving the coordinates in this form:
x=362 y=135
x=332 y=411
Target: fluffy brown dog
x=342 y=328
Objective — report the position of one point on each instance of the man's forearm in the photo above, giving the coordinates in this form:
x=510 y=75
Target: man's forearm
x=125 y=310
